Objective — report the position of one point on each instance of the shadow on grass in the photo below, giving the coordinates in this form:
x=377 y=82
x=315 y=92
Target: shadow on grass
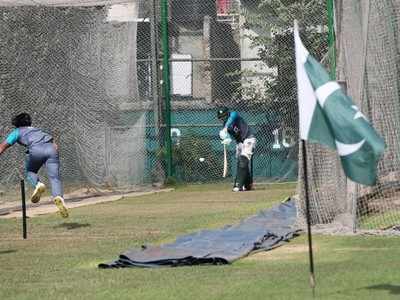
x=71 y=226
x=7 y=251
x=393 y=289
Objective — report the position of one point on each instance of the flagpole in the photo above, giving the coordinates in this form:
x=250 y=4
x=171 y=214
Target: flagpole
x=308 y=217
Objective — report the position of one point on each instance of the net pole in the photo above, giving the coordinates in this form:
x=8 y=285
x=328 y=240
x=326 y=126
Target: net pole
x=351 y=186
x=166 y=84
x=308 y=217
x=154 y=67
x=157 y=103
x=331 y=38
x=24 y=227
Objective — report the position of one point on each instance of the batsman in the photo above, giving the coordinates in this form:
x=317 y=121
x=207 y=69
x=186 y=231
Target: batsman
x=236 y=127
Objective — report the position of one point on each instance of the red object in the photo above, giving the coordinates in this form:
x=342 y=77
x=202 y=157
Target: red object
x=223 y=6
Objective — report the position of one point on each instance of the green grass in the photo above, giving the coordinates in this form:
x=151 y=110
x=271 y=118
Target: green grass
x=382 y=220
x=59 y=259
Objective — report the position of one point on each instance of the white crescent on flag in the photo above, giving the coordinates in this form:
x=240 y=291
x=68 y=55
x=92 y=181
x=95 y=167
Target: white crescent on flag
x=347 y=149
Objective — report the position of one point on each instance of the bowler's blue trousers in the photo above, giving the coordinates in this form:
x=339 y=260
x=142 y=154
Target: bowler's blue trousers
x=38 y=156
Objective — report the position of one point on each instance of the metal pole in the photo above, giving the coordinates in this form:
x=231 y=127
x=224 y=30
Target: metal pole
x=308 y=217
x=157 y=104
x=24 y=231
x=166 y=84
x=331 y=38
x=154 y=67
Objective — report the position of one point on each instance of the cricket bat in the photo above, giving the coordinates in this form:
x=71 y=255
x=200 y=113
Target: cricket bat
x=225 y=163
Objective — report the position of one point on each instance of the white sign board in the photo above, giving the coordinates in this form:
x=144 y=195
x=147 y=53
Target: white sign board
x=181 y=75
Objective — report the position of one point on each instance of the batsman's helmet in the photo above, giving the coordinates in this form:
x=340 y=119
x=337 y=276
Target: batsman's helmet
x=21 y=120
x=223 y=113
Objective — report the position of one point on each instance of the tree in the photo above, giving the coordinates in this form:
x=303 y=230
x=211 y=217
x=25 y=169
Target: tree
x=272 y=20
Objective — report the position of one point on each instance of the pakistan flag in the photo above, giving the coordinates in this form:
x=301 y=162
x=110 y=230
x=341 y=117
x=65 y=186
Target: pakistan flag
x=327 y=116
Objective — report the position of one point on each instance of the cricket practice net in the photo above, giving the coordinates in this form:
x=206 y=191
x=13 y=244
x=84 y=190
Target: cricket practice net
x=367 y=43
x=90 y=73
x=73 y=69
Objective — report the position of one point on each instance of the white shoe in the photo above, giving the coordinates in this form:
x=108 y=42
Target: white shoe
x=237 y=189
x=37 y=193
x=59 y=201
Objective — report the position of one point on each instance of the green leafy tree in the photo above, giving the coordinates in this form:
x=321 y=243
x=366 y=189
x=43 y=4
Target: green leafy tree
x=272 y=21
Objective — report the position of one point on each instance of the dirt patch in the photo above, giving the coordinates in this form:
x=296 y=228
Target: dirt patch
x=46 y=206
x=281 y=253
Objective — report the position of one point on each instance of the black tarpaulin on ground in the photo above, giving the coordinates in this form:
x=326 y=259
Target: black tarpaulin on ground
x=264 y=231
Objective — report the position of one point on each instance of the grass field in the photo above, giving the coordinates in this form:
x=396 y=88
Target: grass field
x=59 y=259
